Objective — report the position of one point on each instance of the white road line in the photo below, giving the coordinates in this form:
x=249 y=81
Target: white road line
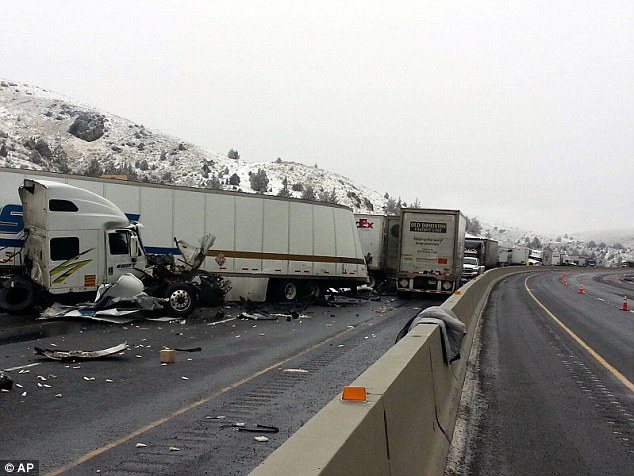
x=21 y=367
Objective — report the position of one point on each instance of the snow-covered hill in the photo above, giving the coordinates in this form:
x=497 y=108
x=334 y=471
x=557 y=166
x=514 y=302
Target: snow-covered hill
x=42 y=130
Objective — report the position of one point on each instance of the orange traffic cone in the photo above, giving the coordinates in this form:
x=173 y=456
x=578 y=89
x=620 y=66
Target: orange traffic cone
x=625 y=306
x=581 y=289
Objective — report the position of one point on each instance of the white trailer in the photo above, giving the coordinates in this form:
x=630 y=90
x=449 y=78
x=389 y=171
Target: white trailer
x=265 y=245
x=555 y=259
x=378 y=235
x=504 y=256
x=519 y=255
x=431 y=250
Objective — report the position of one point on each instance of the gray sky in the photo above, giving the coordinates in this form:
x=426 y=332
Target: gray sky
x=517 y=112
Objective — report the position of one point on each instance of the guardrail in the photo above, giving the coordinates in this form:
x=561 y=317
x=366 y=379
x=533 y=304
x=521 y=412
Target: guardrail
x=407 y=423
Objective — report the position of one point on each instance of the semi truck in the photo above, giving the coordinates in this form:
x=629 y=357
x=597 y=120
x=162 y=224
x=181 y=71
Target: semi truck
x=379 y=236
x=484 y=249
x=268 y=247
x=431 y=250
x=74 y=241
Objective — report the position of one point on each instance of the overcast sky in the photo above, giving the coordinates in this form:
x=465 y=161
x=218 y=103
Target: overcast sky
x=516 y=112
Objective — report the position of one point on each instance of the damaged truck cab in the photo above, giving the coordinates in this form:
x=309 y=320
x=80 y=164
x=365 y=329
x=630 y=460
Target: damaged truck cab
x=76 y=240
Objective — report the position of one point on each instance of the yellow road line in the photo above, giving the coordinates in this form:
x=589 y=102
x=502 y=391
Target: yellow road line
x=113 y=444
x=589 y=349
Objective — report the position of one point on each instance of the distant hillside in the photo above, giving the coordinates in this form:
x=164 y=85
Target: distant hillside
x=42 y=130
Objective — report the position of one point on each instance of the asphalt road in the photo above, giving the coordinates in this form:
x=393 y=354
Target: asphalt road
x=93 y=416
x=540 y=400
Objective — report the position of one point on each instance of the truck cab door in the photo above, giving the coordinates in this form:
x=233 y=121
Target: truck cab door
x=120 y=247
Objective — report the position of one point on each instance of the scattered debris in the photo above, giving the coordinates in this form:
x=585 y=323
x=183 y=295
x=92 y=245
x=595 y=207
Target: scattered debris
x=24 y=394
x=174 y=448
x=257 y=428
x=59 y=395
x=299 y=371
x=185 y=378
x=80 y=354
x=141 y=445
x=261 y=439
x=89 y=379
x=218 y=417
x=5 y=382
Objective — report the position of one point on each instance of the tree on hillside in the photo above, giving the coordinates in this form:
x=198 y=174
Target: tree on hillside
x=233 y=154
x=473 y=226
x=234 y=179
x=284 y=191
x=259 y=181
x=536 y=244
x=592 y=244
x=309 y=193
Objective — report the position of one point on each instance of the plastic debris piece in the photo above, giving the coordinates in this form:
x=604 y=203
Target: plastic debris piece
x=185 y=378
x=108 y=380
x=174 y=448
x=141 y=445
x=89 y=378
x=59 y=395
x=261 y=439
x=24 y=394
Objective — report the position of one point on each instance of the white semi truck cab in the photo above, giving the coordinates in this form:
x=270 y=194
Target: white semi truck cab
x=76 y=239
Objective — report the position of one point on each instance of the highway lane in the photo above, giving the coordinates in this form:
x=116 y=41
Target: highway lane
x=276 y=373
x=551 y=391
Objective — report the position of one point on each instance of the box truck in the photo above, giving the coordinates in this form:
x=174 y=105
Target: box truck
x=267 y=246
x=379 y=235
x=485 y=249
x=431 y=250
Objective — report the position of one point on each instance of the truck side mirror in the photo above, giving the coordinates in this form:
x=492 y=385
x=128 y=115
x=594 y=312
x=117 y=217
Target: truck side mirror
x=134 y=247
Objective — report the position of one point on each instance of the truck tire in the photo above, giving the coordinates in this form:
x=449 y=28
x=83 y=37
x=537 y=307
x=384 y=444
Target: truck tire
x=19 y=296
x=181 y=299
x=289 y=291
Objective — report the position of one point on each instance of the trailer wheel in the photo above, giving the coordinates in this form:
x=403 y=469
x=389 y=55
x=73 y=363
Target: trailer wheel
x=19 y=296
x=181 y=299
x=289 y=290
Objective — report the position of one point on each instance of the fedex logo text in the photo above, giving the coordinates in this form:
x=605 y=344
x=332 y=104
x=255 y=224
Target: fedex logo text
x=364 y=223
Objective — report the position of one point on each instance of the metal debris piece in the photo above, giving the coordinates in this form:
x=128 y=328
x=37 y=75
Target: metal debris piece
x=80 y=354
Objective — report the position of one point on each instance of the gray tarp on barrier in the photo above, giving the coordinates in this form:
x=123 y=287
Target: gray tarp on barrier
x=452 y=328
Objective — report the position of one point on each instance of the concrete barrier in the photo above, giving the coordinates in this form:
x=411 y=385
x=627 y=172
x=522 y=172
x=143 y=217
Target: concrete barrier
x=407 y=423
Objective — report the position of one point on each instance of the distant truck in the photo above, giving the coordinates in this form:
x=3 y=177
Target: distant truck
x=504 y=256
x=431 y=250
x=519 y=255
x=269 y=247
x=379 y=236
x=484 y=249
x=540 y=258
x=555 y=259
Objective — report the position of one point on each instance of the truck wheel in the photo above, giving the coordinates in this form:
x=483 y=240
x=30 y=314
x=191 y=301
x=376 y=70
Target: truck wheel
x=289 y=291
x=18 y=297
x=371 y=281
x=181 y=299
